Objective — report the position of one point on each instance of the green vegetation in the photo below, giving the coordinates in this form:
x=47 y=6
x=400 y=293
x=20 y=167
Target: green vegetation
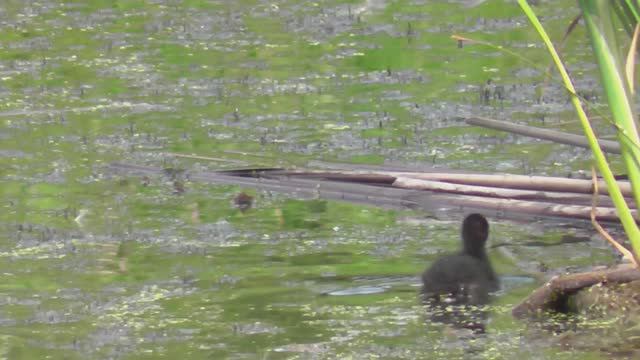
x=617 y=80
x=150 y=273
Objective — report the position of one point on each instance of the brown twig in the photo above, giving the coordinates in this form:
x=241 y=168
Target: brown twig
x=625 y=252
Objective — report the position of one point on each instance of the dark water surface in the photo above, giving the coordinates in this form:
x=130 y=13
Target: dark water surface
x=95 y=265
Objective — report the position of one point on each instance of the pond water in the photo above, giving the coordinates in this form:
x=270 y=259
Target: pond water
x=96 y=265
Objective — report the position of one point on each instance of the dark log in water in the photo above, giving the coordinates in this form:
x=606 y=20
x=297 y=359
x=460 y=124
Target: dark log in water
x=545 y=134
x=553 y=295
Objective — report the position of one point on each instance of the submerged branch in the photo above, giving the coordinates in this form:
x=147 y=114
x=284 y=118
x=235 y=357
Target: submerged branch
x=376 y=189
x=545 y=134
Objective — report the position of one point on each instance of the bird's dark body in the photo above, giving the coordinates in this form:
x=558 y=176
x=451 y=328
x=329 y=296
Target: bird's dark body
x=465 y=278
x=461 y=278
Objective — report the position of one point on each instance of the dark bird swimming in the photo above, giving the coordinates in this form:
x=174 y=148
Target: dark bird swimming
x=466 y=277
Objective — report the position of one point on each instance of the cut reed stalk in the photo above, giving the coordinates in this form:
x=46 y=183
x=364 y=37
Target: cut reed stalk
x=545 y=134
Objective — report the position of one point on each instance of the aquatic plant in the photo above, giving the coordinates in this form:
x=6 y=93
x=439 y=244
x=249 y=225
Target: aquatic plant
x=602 y=19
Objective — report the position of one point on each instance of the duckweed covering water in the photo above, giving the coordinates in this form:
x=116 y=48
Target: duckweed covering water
x=100 y=266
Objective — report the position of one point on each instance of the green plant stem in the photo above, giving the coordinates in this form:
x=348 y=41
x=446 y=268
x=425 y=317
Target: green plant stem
x=597 y=19
x=626 y=218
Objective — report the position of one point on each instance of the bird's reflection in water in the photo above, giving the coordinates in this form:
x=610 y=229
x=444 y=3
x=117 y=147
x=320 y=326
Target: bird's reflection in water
x=450 y=311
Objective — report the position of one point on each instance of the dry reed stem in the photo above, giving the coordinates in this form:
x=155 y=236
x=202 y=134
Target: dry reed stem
x=208 y=158
x=625 y=252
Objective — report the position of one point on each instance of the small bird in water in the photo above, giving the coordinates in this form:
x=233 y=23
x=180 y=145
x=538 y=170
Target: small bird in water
x=466 y=277
x=455 y=284
x=243 y=201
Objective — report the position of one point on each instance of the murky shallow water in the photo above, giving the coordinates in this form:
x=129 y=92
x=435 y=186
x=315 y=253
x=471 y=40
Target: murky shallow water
x=99 y=266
